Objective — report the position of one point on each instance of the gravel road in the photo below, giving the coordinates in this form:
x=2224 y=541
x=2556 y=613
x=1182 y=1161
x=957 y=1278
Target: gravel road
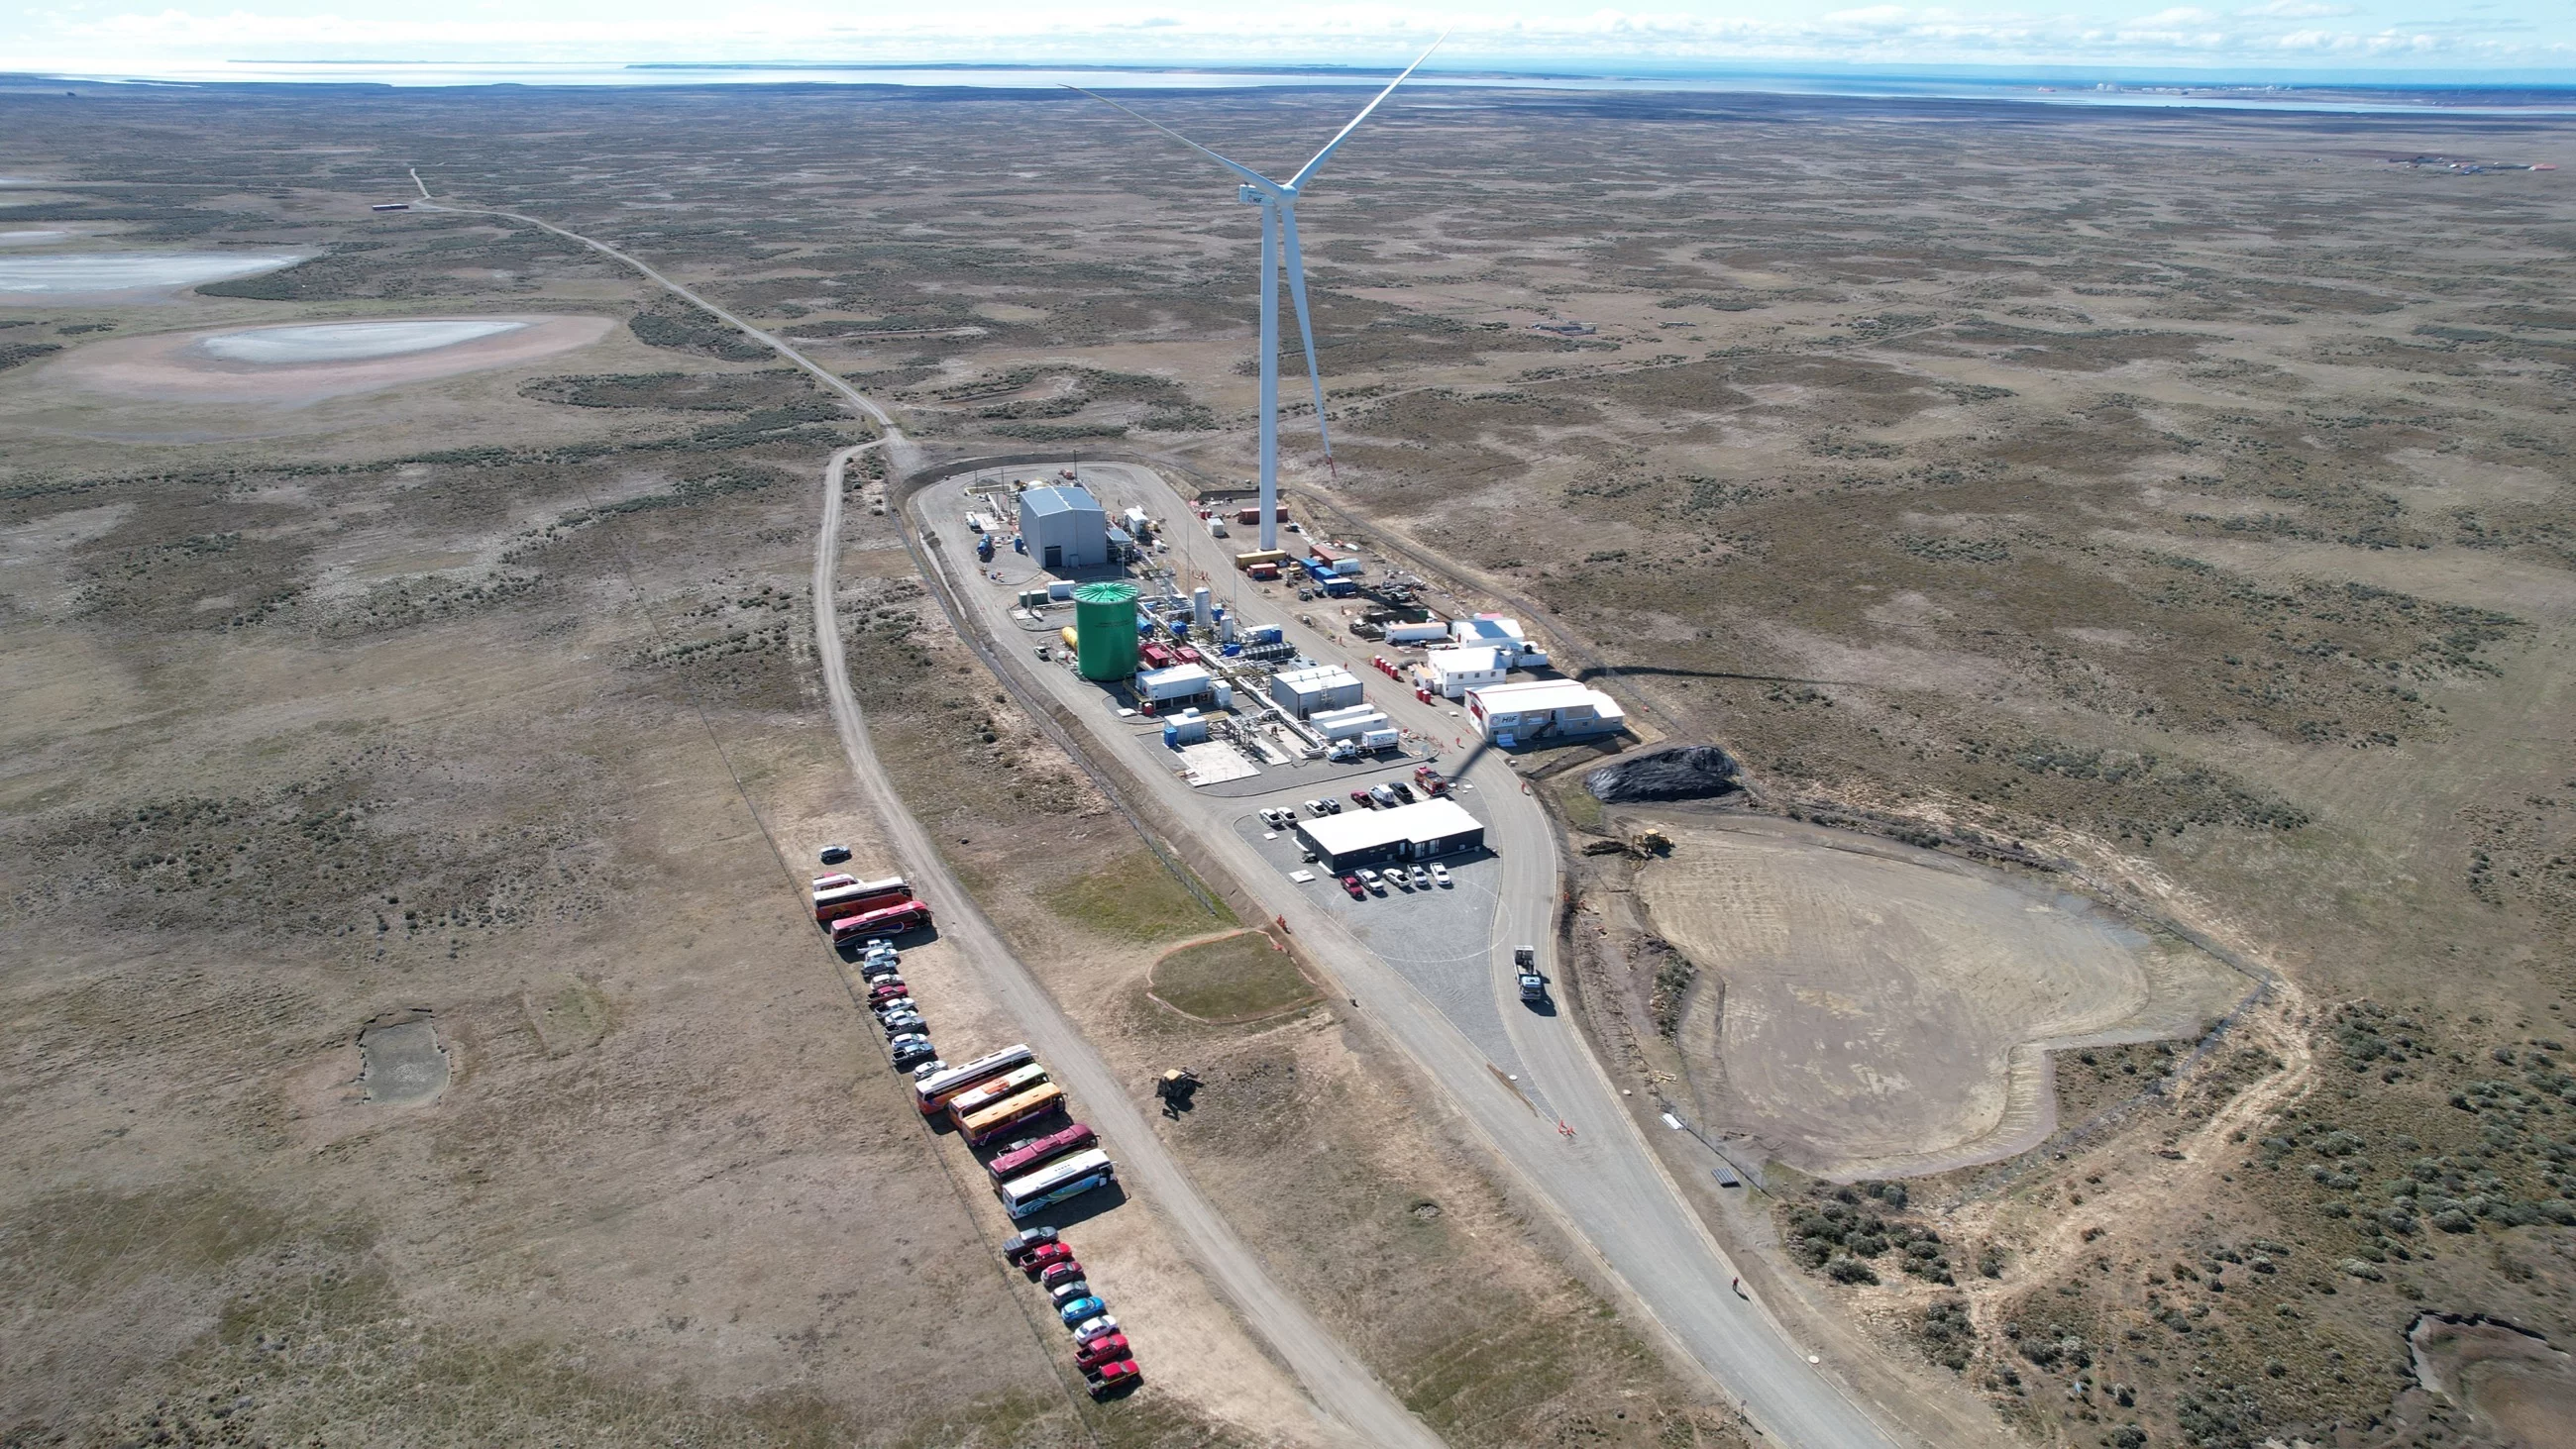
x=1352 y=1401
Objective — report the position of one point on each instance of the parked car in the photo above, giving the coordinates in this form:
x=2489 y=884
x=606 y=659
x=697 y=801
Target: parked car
x=894 y=1005
x=905 y=1039
x=1370 y=879
x=1072 y=1290
x=1108 y=1348
x=1063 y=1270
x=918 y=1058
x=1332 y=806
x=886 y=988
x=1042 y=1254
x=1315 y=807
x=1403 y=791
x=835 y=854
x=1422 y=878
x=1092 y=1330
x=1384 y=797
x=906 y=1024
x=1081 y=1311
x=920 y=1070
x=1440 y=876
x=1352 y=884
x=1114 y=1377
x=1026 y=1241
x=1361 y=799
x=1396 y=877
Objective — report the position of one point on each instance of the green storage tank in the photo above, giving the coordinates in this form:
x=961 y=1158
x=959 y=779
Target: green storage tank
x=1104 y=630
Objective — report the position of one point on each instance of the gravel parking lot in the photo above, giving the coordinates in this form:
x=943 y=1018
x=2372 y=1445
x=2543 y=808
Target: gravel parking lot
x=1436 y=937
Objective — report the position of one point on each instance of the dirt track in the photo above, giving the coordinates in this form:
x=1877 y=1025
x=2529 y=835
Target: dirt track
x=1874 y=1013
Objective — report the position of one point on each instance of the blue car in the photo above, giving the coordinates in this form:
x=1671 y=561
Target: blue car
x=1080 y=1309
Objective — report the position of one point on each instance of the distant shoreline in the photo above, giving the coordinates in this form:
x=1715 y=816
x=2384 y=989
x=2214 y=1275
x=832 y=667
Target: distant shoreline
x=2058 y=86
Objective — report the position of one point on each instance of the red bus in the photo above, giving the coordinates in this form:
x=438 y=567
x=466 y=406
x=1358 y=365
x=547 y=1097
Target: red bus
x=894 y=920
x=865 y=895
x=1045 y=1149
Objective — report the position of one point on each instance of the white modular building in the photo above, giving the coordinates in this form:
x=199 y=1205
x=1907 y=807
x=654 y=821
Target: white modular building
x=1496 y=632
x=1301 y=692
x=1451 y=670
x=1065 y=528
x=1180 y=682
x=1543 y=711
x=1346 y=724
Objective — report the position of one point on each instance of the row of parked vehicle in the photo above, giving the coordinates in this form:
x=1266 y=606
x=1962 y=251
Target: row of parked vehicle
x=1365 y=883
x=1107 y=1361
x=987 y=1100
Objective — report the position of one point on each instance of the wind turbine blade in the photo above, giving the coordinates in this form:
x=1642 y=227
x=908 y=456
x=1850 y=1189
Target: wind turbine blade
x=1310 y=167
x=1246 y=172
x=1305 y=327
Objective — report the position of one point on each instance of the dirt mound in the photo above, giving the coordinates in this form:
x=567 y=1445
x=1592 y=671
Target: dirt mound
x=1685 y=772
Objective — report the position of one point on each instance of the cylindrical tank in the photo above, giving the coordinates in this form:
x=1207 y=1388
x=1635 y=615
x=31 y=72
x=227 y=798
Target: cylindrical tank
x=1104 y=623
x=1199 y=605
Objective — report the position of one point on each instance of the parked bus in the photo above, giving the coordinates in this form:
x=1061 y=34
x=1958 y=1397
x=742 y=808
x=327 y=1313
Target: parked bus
x=894 y=920
x=984 y=1094
x=937 y=1090
x=1003 y=1116
x=1071 y=1177
x=833 y=902
x=1027 y=1159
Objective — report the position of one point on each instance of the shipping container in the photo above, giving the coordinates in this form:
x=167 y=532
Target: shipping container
x=1381 y=740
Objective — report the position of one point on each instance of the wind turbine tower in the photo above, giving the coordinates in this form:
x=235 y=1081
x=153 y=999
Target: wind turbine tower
x=1278 y=203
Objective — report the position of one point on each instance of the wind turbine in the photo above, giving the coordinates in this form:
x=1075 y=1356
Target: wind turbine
x=1278 y=203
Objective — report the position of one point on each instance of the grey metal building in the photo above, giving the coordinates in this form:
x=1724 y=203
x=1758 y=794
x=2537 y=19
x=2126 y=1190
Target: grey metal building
x=1065 y=528
x=1323 y=686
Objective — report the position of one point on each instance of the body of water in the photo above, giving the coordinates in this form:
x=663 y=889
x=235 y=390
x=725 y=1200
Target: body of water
x=2356 y=97
x=37 y=278
x=350 y=341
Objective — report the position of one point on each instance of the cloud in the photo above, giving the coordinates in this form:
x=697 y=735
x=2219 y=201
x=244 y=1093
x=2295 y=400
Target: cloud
x=2298 y=10
x=103 y=37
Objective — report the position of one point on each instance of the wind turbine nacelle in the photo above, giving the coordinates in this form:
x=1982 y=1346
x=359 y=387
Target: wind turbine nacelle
x=1248 y=194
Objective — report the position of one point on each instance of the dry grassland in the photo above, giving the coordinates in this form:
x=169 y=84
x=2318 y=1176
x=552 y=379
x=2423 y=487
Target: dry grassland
x=2185 y=496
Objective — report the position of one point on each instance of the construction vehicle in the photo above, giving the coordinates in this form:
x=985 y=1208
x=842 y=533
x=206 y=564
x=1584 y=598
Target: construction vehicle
x=1533 y=982
x=1644 y=843
x=1175 y=1088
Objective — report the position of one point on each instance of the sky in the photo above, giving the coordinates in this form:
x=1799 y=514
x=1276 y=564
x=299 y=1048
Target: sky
x=2264 y=39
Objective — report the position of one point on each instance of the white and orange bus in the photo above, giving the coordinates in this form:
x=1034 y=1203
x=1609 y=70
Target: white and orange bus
x=999 y=1119
x=939 y=1088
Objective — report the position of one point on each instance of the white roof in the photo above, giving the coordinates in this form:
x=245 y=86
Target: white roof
x=1432 y=819
x=1042 y=501
x=1489 y=627
x=1545 y=694
x=1464 y=658
x=1177 y=674
x=1321 y=676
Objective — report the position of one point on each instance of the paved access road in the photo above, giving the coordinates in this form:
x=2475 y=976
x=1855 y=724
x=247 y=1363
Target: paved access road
x=1604 y=1181
x=1351 y=1398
